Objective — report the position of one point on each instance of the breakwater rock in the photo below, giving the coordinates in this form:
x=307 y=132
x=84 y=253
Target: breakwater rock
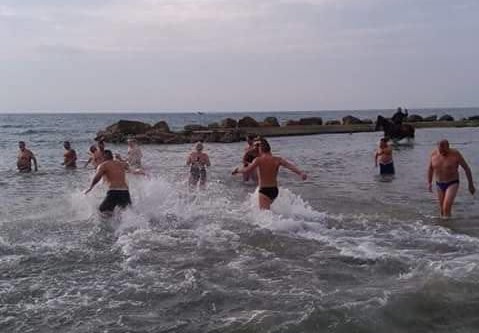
x=231 y=130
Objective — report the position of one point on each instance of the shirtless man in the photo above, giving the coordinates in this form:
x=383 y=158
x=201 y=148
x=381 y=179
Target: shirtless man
x=25 y=158
x=444 y=164
x=198 y=161
x=70 y=156
x=384 y=156
x=250 y=153
x=99 y=154
x=268 y=166
x=114 y=174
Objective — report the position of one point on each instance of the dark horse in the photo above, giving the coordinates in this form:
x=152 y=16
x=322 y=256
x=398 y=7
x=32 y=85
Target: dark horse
x=394 y=131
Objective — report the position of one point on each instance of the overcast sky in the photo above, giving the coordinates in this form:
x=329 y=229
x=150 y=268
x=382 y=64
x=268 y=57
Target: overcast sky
x=232 y=55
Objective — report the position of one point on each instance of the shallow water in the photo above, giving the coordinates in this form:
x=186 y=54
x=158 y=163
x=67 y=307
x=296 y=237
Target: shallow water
x=344 y=251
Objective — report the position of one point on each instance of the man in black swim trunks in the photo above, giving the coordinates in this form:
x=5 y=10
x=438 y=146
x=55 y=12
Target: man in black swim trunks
x=268 y=166
x=444 y=164
x=114 y=174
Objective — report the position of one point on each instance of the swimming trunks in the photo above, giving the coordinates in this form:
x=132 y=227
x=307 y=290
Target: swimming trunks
x=443 y=186
x=198 y=173
x=386 y=169
x=115 y=198
x=270 y=192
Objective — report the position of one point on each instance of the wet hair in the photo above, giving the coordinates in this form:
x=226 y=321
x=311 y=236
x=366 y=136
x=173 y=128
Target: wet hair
x=250 y=137
x=66 y=143
x=265 y=145
x=21 y=142
x=108 y=154
x=92 y=148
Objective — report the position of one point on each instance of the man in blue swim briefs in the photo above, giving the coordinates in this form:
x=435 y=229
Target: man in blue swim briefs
x=268 y=166
x=443 y=165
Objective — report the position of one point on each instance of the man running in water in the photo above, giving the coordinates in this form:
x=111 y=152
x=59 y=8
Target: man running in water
x=268 y=166
x=444 y=164
x=70 y=156
x=25 y=158
x=114 y=174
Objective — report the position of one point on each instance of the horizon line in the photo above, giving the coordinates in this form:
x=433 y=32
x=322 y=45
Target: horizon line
x=229 y=111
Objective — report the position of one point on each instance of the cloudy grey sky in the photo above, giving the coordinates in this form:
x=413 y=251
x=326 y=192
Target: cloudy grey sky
x=227 y=55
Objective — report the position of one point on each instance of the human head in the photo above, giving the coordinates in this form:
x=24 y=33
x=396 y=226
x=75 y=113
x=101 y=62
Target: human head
x=108 y=154
x=131 y=142
x=92 y=149
x=383 y=142
x=443 y=147
x=199 y=146
x=250 y=139
x=66 y=144
x=21 y=145
x=264 y=146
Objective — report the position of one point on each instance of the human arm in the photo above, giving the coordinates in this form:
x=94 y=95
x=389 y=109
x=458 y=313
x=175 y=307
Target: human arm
x=89 y=161
x=98 y=175
x=430 y=173
x=250 y=167
x=207 y=160
x=467 y=169
x=292 y=167
x=32 y=156
x=376 y=155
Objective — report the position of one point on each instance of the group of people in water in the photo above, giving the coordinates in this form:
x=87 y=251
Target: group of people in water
x=259 y=165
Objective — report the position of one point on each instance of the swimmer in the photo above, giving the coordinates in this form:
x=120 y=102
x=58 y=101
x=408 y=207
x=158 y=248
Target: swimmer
x=198 y=161
x=268 y=167
x=70 y=156
x=25 y=158
x=384 y=156
x=443 y=165
x=113 y=172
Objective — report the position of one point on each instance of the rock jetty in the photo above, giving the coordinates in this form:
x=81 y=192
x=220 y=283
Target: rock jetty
x=232 y=130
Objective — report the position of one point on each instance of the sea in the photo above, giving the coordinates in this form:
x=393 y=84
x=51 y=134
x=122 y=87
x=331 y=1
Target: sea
x=344 y=251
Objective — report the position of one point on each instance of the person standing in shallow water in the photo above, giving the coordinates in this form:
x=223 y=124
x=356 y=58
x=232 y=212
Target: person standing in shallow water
x=99 y=154
x=25 y=158
x=443 y=165
x=384 y=157
x=70 y=156
x=198 y=161
x=268 y=167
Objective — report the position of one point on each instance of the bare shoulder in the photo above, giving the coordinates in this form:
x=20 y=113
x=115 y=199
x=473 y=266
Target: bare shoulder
x=434 y=152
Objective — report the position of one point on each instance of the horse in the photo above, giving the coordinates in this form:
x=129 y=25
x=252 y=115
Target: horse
x=393 y=131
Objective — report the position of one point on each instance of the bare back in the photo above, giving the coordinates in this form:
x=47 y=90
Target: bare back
x=113 y=173
x=268 y=166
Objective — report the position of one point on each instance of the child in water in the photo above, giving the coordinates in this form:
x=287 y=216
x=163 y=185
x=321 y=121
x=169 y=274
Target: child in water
x=384 y=156
x=198 y=161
